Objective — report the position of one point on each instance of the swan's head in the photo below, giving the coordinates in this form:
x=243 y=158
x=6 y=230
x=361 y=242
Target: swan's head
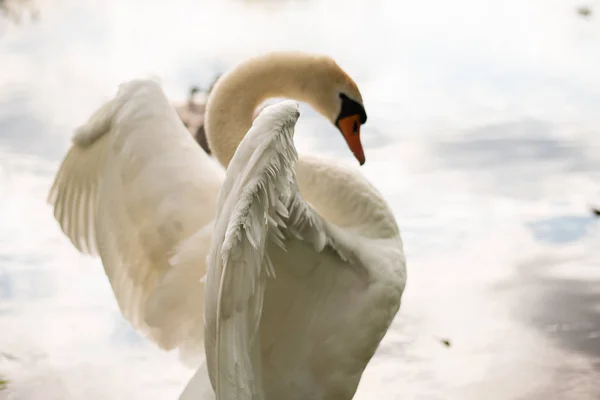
x=337 y=97
x=311 y=78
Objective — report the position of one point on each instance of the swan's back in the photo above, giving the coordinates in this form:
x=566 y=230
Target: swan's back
x=134 y=185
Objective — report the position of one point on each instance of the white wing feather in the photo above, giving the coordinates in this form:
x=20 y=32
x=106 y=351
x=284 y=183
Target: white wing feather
x=253 y=203
x=258 y=203
x=132 y=188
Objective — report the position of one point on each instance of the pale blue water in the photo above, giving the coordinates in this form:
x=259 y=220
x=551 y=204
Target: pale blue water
x=482 y=133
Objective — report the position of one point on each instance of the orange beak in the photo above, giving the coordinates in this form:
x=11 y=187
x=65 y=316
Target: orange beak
x=350 y=128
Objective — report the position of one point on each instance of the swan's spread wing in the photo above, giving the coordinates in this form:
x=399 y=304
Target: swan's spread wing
x=253 y=205
x=258 y=204
x=132 y=188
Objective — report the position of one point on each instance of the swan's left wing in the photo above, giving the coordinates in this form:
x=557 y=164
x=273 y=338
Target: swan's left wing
x=253 y=205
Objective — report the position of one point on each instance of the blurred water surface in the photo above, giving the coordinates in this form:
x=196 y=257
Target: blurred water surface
x=482 y=134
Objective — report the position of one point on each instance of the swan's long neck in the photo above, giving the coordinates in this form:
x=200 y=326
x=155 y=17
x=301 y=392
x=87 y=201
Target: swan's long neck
x=345 y=198
x=235 y=97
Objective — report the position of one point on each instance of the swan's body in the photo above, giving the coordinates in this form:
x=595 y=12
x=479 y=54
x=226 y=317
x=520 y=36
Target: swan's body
x=331 y=287
x=305 y=261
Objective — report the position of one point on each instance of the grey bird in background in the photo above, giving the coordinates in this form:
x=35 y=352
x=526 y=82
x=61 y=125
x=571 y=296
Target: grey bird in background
x=192 y=114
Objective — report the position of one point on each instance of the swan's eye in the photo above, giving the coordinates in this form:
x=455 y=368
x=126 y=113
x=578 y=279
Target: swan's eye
x=351 y=107
x=355 y=128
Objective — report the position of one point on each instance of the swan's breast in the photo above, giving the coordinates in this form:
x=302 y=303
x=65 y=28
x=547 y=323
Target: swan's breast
x=322 y=322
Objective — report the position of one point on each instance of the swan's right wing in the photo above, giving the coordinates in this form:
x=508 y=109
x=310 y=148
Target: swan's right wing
x=132 y=188
x=252 y=208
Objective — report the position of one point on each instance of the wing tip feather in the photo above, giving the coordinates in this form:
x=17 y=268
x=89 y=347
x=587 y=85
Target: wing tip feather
x=254 y=200
x=75 y=181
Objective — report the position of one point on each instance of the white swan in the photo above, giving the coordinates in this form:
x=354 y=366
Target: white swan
x=302 y=285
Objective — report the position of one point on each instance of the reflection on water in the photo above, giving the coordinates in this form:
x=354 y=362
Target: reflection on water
x=482 y=134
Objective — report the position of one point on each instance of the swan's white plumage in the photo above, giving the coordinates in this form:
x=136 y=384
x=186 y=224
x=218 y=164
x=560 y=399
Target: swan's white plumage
x=133 y=187
x=253 y=202
x=266 y=234
x=306 y=266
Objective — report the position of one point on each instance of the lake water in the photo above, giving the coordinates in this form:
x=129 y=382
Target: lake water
x=482 y=134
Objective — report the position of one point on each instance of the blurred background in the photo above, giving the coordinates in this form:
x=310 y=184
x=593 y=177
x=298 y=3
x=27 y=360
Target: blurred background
x=483 y=135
